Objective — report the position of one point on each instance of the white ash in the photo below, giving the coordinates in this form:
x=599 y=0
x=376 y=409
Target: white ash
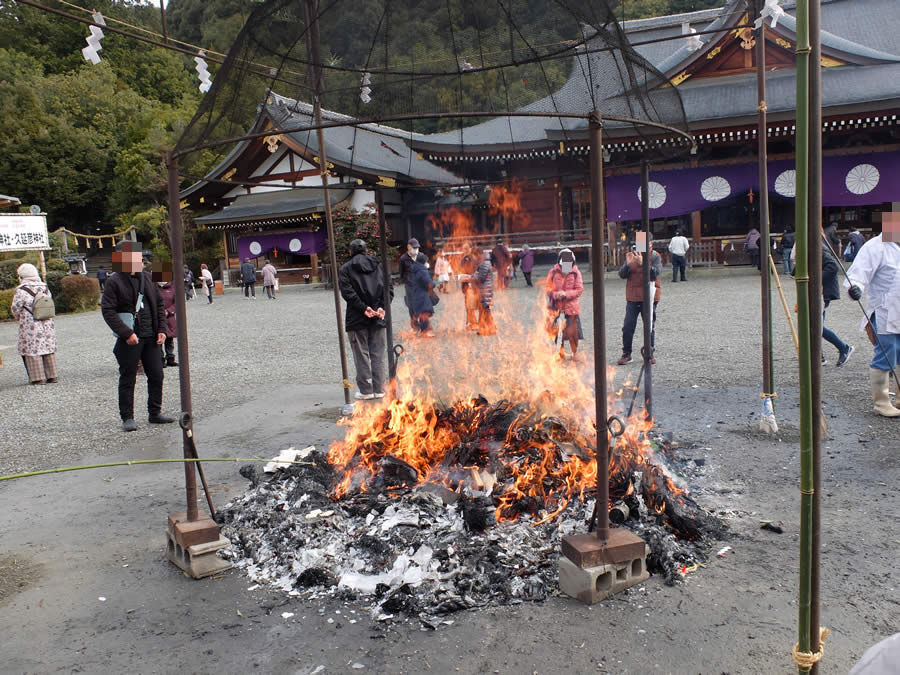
x=411 y=554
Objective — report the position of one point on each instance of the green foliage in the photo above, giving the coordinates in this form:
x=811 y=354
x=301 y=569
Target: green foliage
x=350 y=225
x=56 y=265
x=79 y=293
x=54 y=283
x=152 y=226
x=8 y=276
x=6 y=299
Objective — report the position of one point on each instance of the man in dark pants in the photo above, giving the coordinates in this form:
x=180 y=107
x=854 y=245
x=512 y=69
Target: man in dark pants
x=131 y=297
x=406 y=262
x=362 y=286
x=635 y=293
x=248 y=276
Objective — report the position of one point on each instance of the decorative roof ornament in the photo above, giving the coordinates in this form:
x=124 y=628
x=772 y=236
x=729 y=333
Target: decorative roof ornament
x=203 y=72
x=771 y=10
x=90 y=52
x=693 y=41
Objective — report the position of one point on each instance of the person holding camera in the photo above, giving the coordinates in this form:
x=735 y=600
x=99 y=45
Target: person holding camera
x=635 y=294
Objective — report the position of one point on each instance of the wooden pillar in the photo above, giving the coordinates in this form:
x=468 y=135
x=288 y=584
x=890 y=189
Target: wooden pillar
x=314 y=261
x=696 y=228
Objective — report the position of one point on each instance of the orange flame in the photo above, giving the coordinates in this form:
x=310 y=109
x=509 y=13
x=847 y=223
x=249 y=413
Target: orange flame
x=532 y=449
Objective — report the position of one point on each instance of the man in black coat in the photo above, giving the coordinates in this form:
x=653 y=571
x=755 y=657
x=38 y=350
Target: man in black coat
x=132 y=308
x=361 y=282
x=406 y=262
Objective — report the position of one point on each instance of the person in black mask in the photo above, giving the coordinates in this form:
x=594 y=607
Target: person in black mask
x=132 y=308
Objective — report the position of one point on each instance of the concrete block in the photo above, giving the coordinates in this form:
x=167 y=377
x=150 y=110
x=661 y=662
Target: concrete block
x=593 y=584
x=199 y=560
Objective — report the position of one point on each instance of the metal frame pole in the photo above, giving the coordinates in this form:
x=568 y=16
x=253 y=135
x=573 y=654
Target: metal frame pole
x=386 y=272
x=176 y=238
x=649 y=292
x=815 y=307
x=768 y=367
x=312 y=44
x=598 y=271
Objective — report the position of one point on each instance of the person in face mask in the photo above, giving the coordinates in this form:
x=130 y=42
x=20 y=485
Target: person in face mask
x=412 y=255
x=564 y=287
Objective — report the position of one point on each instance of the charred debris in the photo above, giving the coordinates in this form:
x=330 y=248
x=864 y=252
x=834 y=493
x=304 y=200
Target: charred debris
x=466 y=536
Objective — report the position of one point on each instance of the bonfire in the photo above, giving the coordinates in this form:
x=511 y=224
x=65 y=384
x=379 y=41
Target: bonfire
x=455 y=492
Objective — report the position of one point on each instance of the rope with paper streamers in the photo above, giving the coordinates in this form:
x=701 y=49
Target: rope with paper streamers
x=120 y=235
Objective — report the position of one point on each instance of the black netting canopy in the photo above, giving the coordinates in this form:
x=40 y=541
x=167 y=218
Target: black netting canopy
x=392 y=92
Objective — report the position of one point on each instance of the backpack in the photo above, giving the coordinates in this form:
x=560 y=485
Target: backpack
x=43 y=308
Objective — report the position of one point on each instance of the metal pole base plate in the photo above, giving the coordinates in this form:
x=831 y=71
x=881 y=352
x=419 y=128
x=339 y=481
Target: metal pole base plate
x=586 y=550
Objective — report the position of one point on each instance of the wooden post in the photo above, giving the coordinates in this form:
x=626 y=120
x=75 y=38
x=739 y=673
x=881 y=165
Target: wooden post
x=314 y=261
x=176 y=236
x=43 y=266
x=598 y=270
x=649 y=292
x=696 y=227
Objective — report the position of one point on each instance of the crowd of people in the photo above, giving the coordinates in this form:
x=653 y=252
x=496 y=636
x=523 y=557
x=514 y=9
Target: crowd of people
x=139 y=305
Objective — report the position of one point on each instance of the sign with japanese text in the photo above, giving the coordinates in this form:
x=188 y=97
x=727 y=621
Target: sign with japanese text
x=20 y=231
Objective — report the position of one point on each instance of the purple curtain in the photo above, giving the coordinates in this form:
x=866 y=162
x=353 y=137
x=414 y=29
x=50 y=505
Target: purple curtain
x=298 y=243
x=850 y=180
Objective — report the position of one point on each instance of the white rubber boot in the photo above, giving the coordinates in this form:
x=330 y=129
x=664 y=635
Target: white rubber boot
x=880 y=382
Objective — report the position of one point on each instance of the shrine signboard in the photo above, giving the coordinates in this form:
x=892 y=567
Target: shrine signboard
x=21 y=231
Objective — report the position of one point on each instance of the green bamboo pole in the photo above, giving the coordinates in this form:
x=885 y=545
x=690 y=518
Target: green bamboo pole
x=801 y=219
x=84 y=467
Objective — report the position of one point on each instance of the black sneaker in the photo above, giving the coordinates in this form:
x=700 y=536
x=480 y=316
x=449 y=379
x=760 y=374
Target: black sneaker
x=824 y=360
x=129 y=425
x=160 y=419
x=845 y=356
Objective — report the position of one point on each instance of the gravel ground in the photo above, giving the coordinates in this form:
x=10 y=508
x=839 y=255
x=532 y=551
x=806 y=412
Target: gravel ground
x=708 y=335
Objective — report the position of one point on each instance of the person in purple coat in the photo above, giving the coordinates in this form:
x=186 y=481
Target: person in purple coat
x=162 y=275
x=526 y=262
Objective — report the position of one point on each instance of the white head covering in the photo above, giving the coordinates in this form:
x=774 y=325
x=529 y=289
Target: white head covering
x=566 y=260
x=28 y=272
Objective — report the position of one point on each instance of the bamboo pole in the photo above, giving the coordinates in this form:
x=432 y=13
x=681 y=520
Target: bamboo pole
x=801 y=215
x=784 y=304
x=819 y=428
x=765 y=251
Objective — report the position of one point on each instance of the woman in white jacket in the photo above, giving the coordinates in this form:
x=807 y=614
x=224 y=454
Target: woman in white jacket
x=207 y=281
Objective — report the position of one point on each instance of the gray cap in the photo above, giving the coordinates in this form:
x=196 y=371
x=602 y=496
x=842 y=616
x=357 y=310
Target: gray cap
x=413 y=242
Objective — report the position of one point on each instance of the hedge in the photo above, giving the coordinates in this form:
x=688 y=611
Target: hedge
x=80 y=293
x=6 y=298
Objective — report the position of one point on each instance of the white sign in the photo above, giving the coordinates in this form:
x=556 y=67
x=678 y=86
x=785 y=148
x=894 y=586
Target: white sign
x=19 y=231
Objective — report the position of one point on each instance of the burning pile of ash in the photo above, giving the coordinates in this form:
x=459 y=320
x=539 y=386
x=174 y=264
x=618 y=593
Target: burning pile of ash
x=477 y=523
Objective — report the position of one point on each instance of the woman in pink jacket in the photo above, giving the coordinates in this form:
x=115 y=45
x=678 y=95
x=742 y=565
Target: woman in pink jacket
x=564 y=287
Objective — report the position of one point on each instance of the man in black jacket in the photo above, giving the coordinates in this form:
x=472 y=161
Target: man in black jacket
x=132 y=308
x=831 y=290
x=361 y=281
x=406 y=262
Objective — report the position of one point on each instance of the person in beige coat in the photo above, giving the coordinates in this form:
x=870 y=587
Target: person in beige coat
x=37 y=339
